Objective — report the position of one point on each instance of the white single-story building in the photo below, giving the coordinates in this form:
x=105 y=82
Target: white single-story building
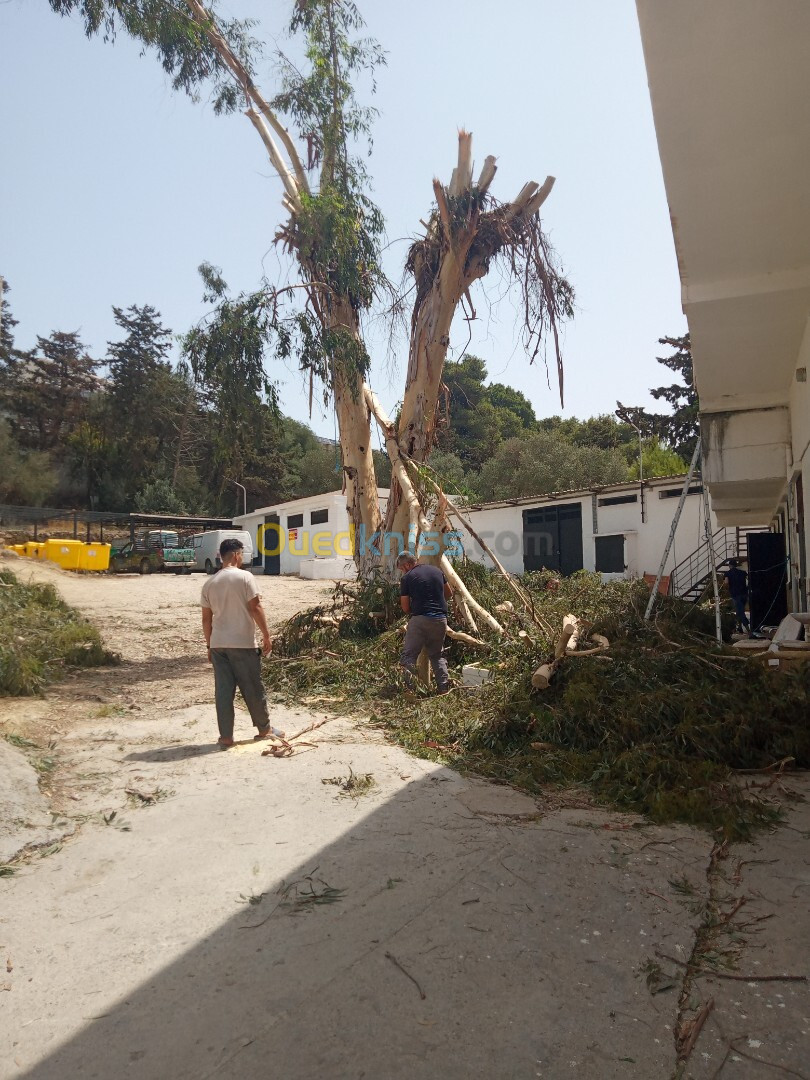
x=309 y=537
x=619 y=531
x=729 y=89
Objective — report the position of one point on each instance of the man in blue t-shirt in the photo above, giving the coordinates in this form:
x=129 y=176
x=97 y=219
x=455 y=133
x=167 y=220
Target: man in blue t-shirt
x=424 y=593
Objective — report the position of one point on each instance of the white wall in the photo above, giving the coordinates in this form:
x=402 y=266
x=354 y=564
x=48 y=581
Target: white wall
x=329 y=540
x=502 y=528
x=311 y=541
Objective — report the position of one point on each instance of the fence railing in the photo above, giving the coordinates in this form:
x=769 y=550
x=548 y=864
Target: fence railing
x=692 y=572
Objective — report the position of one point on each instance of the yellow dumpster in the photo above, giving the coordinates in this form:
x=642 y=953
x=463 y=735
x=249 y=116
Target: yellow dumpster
x=34 y=550
x=94 y=557
x=65 y=553
x=19 y=548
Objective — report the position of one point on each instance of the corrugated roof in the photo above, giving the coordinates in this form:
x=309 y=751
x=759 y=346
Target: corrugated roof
x=570 y=493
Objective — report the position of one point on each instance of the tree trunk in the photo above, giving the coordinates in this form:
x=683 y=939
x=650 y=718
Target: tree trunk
x=453 y=230
x=354 y=424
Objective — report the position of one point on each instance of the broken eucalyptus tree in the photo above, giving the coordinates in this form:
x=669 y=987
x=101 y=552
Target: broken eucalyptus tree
x=333 y=232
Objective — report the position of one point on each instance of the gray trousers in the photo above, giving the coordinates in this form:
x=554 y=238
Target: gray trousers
x=428 y=634
x=242 y=668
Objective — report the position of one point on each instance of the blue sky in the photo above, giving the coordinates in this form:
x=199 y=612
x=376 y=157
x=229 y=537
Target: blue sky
x=115 y=188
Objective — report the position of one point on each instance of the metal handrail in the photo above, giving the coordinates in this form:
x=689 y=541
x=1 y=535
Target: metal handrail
x=696 y=567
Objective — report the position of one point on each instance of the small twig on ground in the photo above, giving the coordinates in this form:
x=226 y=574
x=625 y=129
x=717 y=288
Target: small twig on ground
x=694 y=1028
x=778 y=765
x=751 y=978
x=396 y=963
x=760 y=1061
x=652 y=892
x=731 y=975
x=729 y=915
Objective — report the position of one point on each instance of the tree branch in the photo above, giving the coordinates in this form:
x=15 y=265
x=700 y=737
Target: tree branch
x=293 y=184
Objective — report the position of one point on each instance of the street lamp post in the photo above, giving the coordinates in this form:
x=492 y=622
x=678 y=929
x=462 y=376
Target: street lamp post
x=624 y=414
x=244 y=493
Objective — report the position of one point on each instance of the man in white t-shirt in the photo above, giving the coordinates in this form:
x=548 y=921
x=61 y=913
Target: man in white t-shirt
x=231 y=611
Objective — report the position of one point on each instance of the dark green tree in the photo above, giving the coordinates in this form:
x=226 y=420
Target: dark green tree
x=542 y=462
x=480 y=417
x=7 y=324
x=139 y=396
x=47 y=389
x=603 y=431
x=27 y=477
x=680 y=428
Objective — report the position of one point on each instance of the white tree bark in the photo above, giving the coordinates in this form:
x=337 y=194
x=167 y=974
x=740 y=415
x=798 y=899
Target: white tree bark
x=434 y=312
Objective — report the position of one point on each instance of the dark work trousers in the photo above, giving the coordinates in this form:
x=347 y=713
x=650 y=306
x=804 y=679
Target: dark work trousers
x=739 y=607
x=242 y=668
x=428 y=634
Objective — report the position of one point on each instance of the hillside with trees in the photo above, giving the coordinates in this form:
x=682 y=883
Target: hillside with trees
x=133 y=430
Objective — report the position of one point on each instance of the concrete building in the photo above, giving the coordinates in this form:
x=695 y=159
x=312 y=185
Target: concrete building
x=618 y=531
x=730 y=94
x=309 y=537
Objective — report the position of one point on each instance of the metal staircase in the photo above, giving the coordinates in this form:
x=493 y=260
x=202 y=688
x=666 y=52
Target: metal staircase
x=690 y=578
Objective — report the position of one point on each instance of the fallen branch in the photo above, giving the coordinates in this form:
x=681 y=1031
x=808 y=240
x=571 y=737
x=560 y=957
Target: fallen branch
x=286 y=749
x=468 y=639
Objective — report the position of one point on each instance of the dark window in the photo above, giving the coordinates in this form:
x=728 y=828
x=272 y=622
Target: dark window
x=295 y=521
x=319 y=517
x=617 y=500
x=610 y=554
x=675 y=493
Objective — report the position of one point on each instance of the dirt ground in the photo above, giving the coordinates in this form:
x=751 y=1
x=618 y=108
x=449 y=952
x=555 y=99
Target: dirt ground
x=182 y=912
x=153 y=623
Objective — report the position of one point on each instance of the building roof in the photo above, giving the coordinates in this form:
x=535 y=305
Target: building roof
x=571 y=493
x=290 y=504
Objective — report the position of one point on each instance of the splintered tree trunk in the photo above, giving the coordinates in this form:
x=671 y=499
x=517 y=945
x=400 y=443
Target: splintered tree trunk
x=464 y=257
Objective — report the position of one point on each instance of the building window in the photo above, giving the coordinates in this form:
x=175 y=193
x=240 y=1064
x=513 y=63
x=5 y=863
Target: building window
x=319 y=517
x=295 y=521
x=675 y=493
x=618 y=500
x=610 y=554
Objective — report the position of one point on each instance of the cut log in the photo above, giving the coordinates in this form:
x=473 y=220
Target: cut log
x=569 y=636
x=544 y=674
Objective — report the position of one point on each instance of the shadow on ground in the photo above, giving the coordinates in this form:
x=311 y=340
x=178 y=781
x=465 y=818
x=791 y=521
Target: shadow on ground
x=456 y=945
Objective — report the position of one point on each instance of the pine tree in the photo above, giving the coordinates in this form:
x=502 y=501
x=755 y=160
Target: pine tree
x=47 y=389
x=680 y=428
x=137 y=393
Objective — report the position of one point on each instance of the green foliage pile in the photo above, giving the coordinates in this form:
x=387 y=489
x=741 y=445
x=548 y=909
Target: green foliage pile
x=40 y=635
x=657 y=725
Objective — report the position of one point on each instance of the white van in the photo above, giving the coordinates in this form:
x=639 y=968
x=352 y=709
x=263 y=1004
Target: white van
x=206 y=548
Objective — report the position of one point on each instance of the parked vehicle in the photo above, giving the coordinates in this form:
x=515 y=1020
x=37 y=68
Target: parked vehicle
x=206 y=548
x=152 y=552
